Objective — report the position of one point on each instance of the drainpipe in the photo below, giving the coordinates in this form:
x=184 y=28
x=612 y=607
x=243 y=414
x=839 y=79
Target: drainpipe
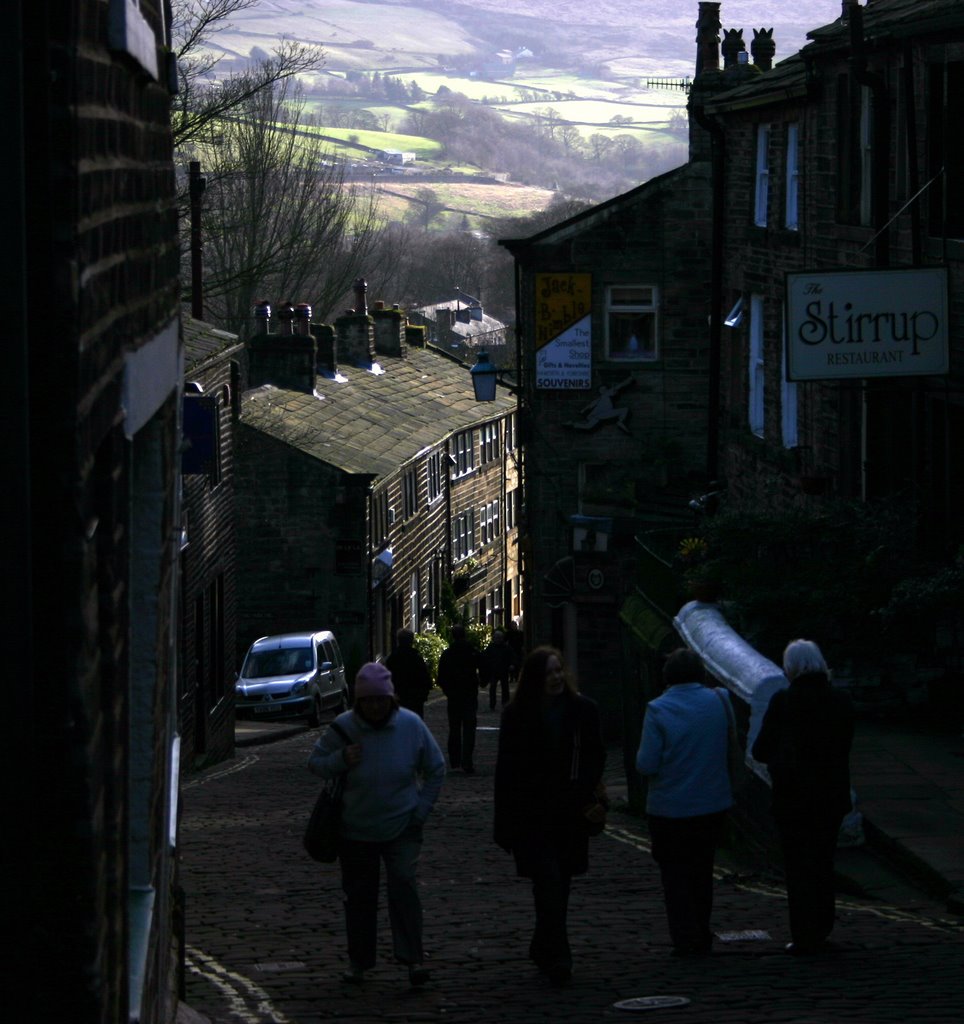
x=717 y=169
x=913 y=170
x=881 y=135
x=880 y=169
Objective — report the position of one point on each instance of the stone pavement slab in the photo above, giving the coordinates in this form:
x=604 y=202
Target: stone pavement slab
x=265 y=935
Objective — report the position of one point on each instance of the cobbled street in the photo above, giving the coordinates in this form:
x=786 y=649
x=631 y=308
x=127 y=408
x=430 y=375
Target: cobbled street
x=265 y=936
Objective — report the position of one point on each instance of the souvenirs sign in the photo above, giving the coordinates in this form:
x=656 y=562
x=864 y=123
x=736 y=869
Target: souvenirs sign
x=563 y=332
x=866 y=323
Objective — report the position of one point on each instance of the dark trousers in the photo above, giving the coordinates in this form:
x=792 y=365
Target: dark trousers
x=684 y=849
x=359 y=882
x=494 y=686
x=550 y=892
x=808 y=845
x=463 y=712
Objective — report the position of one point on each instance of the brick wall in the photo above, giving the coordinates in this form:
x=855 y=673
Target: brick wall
x=101 y=279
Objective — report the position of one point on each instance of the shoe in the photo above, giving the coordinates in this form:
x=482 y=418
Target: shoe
x=804 y=948
x=354 y=975
x=418 y=975
x=559 y=975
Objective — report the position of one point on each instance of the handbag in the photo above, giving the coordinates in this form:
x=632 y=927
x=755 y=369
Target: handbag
x=735 y=757
x=592 y=826
x=323 y=831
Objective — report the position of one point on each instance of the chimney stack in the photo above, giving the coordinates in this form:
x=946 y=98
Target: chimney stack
x=708 y=38
x=285 y=359
x=389 y=330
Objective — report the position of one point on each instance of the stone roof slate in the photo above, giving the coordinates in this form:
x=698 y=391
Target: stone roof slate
x=203 y=341
x=371 y=424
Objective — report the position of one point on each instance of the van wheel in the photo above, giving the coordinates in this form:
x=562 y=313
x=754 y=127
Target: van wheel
x=314 y=719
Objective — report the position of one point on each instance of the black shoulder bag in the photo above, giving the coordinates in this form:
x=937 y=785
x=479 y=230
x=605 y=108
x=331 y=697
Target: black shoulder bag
x=324 y=826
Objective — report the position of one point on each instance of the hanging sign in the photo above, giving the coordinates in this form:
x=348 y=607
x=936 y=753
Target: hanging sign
x=866 y=323
x=563 y=332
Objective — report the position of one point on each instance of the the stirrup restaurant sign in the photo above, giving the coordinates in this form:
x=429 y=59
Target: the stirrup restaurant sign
x=866 y=323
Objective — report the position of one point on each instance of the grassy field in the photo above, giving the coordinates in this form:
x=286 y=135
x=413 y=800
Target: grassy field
x=588 y=64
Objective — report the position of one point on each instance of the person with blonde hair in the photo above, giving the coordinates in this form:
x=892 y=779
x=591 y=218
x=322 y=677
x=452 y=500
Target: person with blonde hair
x=805 y=743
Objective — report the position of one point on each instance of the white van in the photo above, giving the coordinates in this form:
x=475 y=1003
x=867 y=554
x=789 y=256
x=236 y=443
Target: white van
x=292 y=675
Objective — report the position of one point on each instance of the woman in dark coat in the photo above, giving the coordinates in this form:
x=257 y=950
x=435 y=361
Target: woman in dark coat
x=549 y=796
x=805 y=743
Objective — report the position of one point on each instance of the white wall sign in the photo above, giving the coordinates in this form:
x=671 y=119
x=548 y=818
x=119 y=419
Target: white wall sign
x=566 y=361
x=866 y=323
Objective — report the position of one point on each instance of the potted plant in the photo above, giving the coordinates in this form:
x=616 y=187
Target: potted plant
x=701 y=575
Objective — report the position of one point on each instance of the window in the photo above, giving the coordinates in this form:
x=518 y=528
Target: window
x=945 y=150
x=755 y=403
x=464 y=452
x=414 y=607
x=510 y=432
x=511 y=508
x=434 y=472
x=489 y=522
x=631 y=323
x=792 y=214
x=463 y=536
x=489 y=443
x=410 y=493
x=788 y=398
x=762 y=196
x=379 y=524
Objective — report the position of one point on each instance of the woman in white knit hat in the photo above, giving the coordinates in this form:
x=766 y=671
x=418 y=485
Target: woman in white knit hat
x=393 y=772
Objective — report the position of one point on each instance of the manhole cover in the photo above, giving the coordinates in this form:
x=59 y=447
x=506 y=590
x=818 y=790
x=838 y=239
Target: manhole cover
x=640 y=1003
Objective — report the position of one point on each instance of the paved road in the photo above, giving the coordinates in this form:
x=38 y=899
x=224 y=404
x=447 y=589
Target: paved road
x=265 y=937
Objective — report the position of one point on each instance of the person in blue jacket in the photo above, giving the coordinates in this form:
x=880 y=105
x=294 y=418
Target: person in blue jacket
x=683 y=753
x=393 y=772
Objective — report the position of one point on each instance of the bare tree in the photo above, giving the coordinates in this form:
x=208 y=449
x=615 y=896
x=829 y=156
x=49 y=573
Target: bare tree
x=280 y=221
x=202 y=97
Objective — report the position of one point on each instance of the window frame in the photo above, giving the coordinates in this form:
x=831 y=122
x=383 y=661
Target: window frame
x=638 y=310
x=791 y=211
x=464 y=444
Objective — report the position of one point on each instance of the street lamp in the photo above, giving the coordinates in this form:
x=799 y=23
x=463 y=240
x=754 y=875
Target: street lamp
x=484 y=375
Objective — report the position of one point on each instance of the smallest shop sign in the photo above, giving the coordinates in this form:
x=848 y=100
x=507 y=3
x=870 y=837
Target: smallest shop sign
x=866 y=323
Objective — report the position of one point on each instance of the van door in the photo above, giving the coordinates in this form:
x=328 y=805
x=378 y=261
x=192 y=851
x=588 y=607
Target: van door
x=333 y=654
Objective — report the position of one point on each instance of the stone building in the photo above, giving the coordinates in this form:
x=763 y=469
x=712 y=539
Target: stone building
x=461 y=327
x=206 y=668
x=842 y=237
x=615 y=363
x=92 y=395
x=367 y=475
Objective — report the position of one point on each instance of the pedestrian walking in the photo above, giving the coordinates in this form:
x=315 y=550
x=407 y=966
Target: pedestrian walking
x=683 y=753
x=496 y=668
x=549 y=796
x=458 y=678
x=410 y=674
x=393 y=771
x=805 y=743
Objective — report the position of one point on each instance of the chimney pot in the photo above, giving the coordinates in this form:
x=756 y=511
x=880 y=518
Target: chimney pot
x=262 y=313
x=286 y=315
x=361 y=301
x=708 y=38
x=302 y=315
